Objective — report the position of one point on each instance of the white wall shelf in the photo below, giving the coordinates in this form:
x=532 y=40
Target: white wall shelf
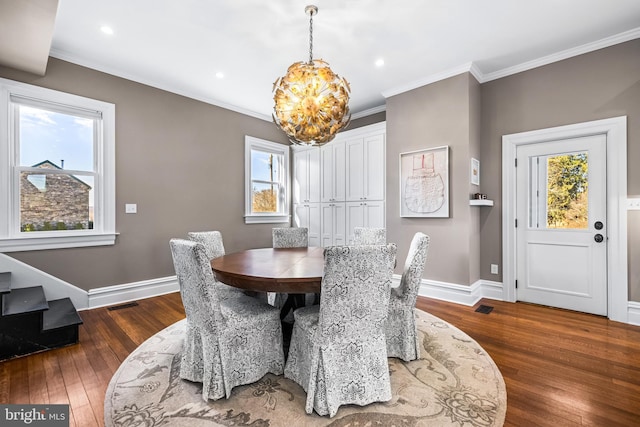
x=481 y=202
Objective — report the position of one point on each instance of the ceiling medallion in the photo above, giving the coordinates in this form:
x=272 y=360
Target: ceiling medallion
x=311 y=101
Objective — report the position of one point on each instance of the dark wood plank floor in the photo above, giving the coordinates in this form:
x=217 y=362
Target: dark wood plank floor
x=561 y=368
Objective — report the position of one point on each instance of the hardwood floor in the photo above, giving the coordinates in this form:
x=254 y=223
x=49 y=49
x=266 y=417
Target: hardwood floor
x=561 y=368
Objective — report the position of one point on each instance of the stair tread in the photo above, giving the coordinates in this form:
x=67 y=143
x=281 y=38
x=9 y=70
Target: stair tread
x=24 y=300
x=5 y=282
x=61 y=313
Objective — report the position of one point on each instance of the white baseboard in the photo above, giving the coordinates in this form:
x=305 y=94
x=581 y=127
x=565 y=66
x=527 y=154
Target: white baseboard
x=117 y=294
x=633 y=316
x=460 y=294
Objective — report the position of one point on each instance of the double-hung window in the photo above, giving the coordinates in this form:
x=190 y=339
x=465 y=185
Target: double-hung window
x=266 y=181
x=57 y=174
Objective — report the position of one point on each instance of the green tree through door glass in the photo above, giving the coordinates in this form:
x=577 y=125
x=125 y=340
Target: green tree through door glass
x=568 y=191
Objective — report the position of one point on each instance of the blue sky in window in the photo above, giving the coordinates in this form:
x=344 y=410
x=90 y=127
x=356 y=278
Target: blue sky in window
x=260 y=166
x=48 y=135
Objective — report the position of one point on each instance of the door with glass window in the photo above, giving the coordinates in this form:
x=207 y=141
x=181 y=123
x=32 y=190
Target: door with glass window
x=561 y=224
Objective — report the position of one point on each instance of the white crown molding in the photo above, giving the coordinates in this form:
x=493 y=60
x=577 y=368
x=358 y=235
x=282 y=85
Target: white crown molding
x=470 y=67
x=565 y=54
x=369 y=112
x=430 y=79
x=66 y=56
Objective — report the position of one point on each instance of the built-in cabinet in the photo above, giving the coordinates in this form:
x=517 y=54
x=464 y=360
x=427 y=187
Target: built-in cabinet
x=306 y=191
x=306 y=170
x=341 y=185
x=308 y=215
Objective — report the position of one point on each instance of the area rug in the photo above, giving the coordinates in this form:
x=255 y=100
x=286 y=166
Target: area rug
x=454 y=383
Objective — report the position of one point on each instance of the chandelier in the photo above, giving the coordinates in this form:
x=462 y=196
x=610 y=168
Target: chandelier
x=311 y=101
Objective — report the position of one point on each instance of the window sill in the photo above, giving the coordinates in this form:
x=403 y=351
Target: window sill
x=266 y=219
x=37 y=243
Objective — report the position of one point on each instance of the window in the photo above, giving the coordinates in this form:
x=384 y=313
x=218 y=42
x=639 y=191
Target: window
x=266 y=181
x=57 y=169
x=559 y=195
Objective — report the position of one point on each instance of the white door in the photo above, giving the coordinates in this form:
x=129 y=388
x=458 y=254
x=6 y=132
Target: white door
x=561 y=234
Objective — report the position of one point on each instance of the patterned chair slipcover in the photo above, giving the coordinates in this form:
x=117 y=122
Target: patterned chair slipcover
x=369 y=236
x=290 y=237
x=228 y=342
x=287 y=237
x=214 y=248
x=401 y=328
x=338 y=352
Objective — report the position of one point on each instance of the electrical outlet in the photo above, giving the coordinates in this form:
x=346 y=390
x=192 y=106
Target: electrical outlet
x=494 y=268
x=633 y=204
x=130 y=208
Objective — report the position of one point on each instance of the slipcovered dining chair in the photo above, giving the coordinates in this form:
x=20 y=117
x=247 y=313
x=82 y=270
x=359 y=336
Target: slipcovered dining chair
x=338 y=353
x=227 y=342
x=400 y=328
x=290 y=237
x=369 y=236
x=287 y=237
x=214 y=248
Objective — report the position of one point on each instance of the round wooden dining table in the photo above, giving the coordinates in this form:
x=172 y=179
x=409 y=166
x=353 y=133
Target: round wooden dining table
x=286 y=270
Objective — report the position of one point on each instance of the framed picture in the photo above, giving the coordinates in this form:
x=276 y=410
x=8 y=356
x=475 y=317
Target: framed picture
x=424 y=183
x=475 y=171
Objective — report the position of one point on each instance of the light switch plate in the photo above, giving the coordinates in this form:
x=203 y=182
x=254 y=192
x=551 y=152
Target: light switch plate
x=494 y=268
x=633 y=204
x=130 y=208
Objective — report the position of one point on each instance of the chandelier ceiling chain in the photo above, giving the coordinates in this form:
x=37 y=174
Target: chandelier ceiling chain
x=311 y=101
x=311 y=10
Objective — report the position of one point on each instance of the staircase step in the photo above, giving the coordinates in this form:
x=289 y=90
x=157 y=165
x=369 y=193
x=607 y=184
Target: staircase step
x=61 y=313
x=24 y=300
x=5 y=282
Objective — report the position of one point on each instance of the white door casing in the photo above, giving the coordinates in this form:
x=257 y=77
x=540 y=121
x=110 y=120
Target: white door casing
x=560 y=263
x=615 y=131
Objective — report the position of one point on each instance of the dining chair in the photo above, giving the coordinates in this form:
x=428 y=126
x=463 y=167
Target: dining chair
x=214 y=248
x=287 y=237
x=338 y=352
x=369 y=236
x=400 y=328
x=290 y=237
x=228 y=342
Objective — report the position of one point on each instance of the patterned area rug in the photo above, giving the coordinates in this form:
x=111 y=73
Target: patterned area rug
x=455 y=383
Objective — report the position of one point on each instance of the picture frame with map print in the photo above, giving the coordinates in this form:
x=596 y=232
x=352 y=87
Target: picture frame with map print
x=424 y=183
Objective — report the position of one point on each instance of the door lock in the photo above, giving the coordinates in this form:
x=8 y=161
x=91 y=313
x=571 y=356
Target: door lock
x=598 y=225
x=598 y=238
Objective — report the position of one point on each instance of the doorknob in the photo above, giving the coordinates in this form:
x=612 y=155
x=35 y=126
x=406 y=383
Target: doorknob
x=598 y=238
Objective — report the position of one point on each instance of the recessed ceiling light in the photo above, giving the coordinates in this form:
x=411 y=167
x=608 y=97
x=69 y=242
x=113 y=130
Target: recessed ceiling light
x=106 y=29
x=219 y=75
x=379 y=62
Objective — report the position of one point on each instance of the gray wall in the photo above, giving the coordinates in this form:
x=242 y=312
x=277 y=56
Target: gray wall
x=167 y=143
x=180 y=160
x=597 y=85
x=442 y=113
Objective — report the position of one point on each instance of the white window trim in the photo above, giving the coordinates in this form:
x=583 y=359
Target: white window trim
x=105 y=233
x=250 y=143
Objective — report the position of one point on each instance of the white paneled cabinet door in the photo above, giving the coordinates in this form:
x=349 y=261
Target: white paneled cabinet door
x=364 y=214
x=365 y=177
x=354 y=149
x=333 y=224
x=306 y=176
x=374 y=167
x=332 y=165
x=308 y=215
